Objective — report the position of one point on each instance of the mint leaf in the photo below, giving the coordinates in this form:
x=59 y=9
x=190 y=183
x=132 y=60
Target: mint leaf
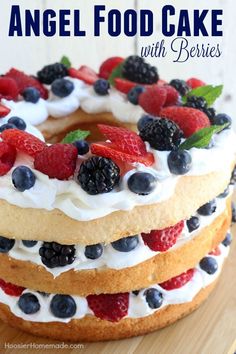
x=75 y=135
x=209 y=92
x=116 y=72
x=66 y=61
x=202 y=138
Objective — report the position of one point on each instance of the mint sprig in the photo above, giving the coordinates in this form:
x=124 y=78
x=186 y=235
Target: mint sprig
x=75 y=135
x=202 y=138
x=116 y=72
x=66 y=61
x=209 y=92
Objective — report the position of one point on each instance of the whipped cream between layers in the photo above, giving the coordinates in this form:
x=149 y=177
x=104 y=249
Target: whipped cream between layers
x=138 y=306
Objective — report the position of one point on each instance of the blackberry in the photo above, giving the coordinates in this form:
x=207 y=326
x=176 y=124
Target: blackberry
x=162 y=134
x=196 y=102
x=210 y=112
x=98 y=175
x=135 y=69
x=55 y=255
x=181 y=86
x=52 y=72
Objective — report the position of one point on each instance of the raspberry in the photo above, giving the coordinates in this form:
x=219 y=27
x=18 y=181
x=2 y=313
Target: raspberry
x=23 y=141
x=190 y=120
x=153 y=99
x=123 y=85
x=135 y=69
x=57 y=161
x=110 y=307
x=11 y=289
x=84 y=73
x=194 y=83
x=8 y=88
x=162 y=240
x=4 y=111
x=215 y=252
x=172 y=96
x=7 y=157
x=179 y=281
x=108 y=66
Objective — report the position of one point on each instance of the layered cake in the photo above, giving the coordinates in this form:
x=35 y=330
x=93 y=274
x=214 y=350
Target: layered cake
x=123 y=235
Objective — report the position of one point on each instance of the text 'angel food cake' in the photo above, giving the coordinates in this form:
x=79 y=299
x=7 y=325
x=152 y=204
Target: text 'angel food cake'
x=123 y=235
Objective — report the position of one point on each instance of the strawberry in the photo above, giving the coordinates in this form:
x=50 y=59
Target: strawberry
x=190 y=120
x=85 y=74
x=8 y=88
x=24 y=81
x=215 y=252
x=108 y=66
x=153 y=99
x=110 y=307
x=57 y=161
x=23 y=141
x=123 y=85
x=4 y=111
x=194 y=83
x=11 y=289
x=7 y=157
x=162 y=240
x=112 y=151
x=172 y=96
x=179 y=281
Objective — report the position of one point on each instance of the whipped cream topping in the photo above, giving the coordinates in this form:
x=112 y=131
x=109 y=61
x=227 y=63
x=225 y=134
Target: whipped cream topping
x=111 y=258
x=138 y=306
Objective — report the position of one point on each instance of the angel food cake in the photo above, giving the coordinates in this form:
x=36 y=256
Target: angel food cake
x=117 y=237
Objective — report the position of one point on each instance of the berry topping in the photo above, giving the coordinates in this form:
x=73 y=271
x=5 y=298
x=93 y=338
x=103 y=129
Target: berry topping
x=193 y=223
x=31 y=94
x=93 y=251
x=7 y=157
x=63 y=306
x=233 y=207
x=8 y=88
x=52 y=72
x=154 y=298
x=29 y=303
x=194 y=83
x=162 y=134
x=215 y=252
x=55 y=255
x=57 y=161
x=208 y=208
x=6 y=244
x=179 y=281
x=153 y=99
x=62 y=87
x=101 y=87
x=98 y=175
x=221 y=119
x=110 y=307
x=29 y=243
x=228 y=239
x=82 y=146
x=209 y=265
x=17 y=122
x=142 y=183
x=134 y=93
x=190 y=120
x=23 y=141
x=135 y=69
x=23 y=178
x=225 y=193
x=162 y=240
x=108 y=66
x=179 y=162
x=125 y=244
x=145 y=119
x=181 y=86
x=11 y=289
x=7 y=126
x=85 y=74
x=124 y=85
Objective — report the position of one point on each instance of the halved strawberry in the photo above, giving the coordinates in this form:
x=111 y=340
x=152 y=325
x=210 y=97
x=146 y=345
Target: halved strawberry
x=84 y=73
x=124 y=85
x=11 y=289
x=179 y=281
x=8 y=88
x=7 y=157
x=108 y=66
x=4 y=111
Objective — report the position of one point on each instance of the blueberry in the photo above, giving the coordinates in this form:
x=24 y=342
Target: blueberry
x=179 y=162
x=221 y=119
x=31 y=94
x=233 y=212
x=145 y=119
x=63 y=306
x=29 y=244
x=18 y=122
x=101 y=87
x=209 y=265
x=6 y=244
x=134 y=93
x=125 y=244
x=208 y=208
x=224 y=194
x=154 y=298
x=23 y=178
x=62 y=87
x=193 y=223
x=135 y=292
x=29 y=303
x=142 y=183
x=93 y=251
x=7 y=126
x=82 y=146
x=228 y=239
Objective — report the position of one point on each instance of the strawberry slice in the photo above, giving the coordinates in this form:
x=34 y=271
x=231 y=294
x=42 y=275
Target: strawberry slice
x=108 y=66
x=85 y=74
x=179 y=281
x=11 y=289
x=4 y=111
x=7 y=157
x=8 y=88
x=124 y=85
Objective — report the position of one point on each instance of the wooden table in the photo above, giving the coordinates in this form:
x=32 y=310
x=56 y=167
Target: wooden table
x=209 y=330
